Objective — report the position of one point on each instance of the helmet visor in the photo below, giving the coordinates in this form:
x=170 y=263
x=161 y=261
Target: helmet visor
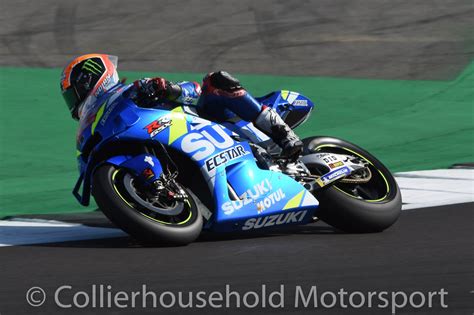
x=113 y=60
x=72 y=101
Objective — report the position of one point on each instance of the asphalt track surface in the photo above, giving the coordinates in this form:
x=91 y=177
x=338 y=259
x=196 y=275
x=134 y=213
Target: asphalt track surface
x=426 y=250
x=409 y=39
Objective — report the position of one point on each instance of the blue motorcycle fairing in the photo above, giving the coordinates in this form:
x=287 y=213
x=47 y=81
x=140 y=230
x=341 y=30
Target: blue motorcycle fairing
x=293 y=107
x=259 y=196
x=145 y=166
x=247 y=130
x=95 y=115
x=262 y=193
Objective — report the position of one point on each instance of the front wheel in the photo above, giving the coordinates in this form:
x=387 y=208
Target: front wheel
x=353 y=206
x=148 y=219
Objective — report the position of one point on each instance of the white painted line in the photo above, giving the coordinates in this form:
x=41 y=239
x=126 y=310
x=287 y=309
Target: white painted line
x=421 y=189
x=24 y=232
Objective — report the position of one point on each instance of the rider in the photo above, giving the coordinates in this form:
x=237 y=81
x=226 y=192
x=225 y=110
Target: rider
x=89 y=77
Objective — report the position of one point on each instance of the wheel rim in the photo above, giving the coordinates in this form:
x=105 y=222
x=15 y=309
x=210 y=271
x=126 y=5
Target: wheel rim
x=153 y=204
x=376 y=190
x=179 y=213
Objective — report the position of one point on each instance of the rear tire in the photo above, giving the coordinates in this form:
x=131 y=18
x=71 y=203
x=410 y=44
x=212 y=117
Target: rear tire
x=350 y=213
x=136 y=223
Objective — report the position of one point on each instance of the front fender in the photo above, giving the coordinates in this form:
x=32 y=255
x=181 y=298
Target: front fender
x=144 y=166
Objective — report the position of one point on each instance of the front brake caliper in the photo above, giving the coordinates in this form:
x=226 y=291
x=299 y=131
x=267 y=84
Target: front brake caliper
x=147 y=168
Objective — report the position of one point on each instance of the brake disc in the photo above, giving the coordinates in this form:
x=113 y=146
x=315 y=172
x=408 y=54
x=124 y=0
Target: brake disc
x=176 y=209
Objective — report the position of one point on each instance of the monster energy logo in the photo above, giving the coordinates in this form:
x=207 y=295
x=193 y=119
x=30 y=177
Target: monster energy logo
x=92 y=66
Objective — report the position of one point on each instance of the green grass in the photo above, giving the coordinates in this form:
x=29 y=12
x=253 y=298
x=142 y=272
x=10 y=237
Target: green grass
x=409 y=125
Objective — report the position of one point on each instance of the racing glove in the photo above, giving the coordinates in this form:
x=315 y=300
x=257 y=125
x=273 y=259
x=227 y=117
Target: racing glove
x=157 y=88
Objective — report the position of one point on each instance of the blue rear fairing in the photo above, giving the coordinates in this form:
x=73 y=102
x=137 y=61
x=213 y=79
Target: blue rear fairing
x=293 y=107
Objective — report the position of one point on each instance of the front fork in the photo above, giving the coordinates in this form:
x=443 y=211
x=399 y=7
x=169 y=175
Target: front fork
x=150 y=177
x=146 y=167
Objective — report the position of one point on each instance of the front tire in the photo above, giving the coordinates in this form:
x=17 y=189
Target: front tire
x=132 y=217
x=352 y=212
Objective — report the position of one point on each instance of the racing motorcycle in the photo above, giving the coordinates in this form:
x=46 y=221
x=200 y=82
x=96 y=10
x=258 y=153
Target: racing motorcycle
x=165 y=175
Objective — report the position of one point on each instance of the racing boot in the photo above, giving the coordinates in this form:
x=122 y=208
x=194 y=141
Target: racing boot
x=270 y=123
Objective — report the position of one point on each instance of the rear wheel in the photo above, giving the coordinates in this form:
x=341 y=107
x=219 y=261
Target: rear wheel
x=145 y=216
x=353 y=204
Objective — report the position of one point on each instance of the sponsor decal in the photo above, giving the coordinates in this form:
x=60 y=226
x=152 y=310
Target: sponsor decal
x=224 y=157
x=330 y=158
x=148 y=159
x=188 y=99
x=321 y=155
x=273 y=220
x=103 y=86
x=158 y=126
x=148 y=173
x=300 y=103
x=336 y=174
x=332 y=175
x=336 y=164
x=107 y=113
x=251 y=195
x=203 y=144
x=247 y=197
x=92 y=67
x=270 y=200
